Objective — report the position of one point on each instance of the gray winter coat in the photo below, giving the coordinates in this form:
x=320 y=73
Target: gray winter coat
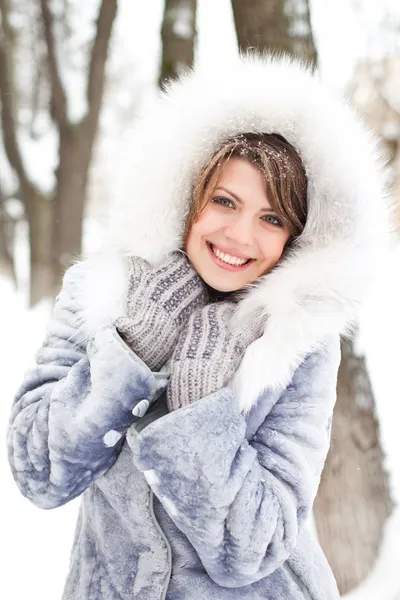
x=227 y=514
x=212 y=501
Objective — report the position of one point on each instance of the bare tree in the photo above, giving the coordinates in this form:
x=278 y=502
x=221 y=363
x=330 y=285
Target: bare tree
x=178 y=35
x=36 y=206
x=7 y=266
x=55 y=218
x=279 y=25
x=353 y=501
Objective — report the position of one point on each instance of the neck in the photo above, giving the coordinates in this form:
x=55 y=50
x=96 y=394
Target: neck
x=216 y=295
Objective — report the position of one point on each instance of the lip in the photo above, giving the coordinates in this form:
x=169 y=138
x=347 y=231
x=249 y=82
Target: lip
x=230 y=251
x=226 y=266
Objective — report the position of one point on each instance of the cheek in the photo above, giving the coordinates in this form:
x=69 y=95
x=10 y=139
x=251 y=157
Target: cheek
x=272 y=247
x=205 y=225
x=193 y=239
x=194 y=242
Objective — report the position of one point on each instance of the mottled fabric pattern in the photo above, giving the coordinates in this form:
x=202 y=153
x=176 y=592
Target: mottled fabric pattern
x=159 y=302
x=67 y=404
x=198 y=503
x=242 y=503
x=208 y=352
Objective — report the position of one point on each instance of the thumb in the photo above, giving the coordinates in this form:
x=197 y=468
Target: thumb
x=252 y=328
x=138 y=266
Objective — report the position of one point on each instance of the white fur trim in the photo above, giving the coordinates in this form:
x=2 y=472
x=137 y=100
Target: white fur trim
x=101 y=298
x=319 y=288
x=176 y=136
x=101 y=294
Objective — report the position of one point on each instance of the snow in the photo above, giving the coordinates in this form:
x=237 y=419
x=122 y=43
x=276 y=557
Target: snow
x=182 y=26
x=39 y=155
x=37 y=543
x=379 y=339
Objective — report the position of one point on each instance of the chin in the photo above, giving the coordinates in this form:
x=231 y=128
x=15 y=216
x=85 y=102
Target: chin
x=224 y=286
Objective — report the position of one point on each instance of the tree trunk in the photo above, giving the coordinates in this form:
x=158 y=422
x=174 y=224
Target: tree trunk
x=55 y=223
x=7 y=268
x=69 y=200
x=178 y=35
x=278 y=25
x=353 y=500
x=39 y=214
x=76 y=140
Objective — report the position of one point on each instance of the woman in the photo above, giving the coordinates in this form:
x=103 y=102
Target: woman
x=187 y=381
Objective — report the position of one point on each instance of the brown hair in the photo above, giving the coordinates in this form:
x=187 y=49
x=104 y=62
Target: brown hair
x=281 y=166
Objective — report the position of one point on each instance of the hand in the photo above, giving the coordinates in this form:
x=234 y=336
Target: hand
x=159 y=302
x=208 y=353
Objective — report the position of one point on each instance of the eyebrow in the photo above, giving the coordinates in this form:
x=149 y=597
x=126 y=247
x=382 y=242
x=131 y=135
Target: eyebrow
x=238 y=199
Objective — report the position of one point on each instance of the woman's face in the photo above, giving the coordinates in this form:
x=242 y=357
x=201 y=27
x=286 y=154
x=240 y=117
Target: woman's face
x=237 y=237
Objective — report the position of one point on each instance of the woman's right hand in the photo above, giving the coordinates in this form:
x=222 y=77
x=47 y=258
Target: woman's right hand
x=208 y=352
x=159 y=302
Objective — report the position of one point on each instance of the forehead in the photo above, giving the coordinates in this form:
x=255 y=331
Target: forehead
x=242 y=178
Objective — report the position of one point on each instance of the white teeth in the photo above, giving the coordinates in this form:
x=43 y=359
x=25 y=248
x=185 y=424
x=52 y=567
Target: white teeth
x=231 y=260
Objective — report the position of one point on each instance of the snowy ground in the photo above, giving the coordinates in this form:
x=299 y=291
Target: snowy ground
x=36 y=543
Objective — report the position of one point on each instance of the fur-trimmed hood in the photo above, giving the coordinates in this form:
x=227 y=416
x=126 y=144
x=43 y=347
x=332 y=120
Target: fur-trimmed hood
x=318 y=289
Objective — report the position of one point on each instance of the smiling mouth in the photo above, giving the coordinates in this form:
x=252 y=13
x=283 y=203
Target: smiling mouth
x=227 y=262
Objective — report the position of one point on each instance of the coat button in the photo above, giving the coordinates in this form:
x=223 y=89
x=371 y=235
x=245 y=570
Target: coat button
x=141 y=408
x=111 y=438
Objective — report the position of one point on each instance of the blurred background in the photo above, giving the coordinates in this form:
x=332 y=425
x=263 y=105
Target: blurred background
x=72 y=77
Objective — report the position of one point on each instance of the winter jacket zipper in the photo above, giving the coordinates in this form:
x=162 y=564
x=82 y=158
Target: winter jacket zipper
x=159 y=529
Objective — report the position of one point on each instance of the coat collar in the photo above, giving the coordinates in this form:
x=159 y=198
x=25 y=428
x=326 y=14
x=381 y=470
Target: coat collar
x=319 y=287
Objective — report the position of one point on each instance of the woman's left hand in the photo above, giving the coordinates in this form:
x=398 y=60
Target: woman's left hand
x=208 y=352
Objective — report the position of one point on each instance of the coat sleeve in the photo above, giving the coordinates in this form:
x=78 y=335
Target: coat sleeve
x=241 y=503
x=72 y=411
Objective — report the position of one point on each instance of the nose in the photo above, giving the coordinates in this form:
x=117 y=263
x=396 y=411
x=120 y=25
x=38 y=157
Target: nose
x=241 y=231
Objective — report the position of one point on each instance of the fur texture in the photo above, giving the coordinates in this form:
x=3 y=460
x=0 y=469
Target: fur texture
x=317 y=291
x=213 y=500
x=203 y=502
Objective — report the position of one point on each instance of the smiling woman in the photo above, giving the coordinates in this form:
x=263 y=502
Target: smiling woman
x=197 y=438
x=249 y=205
